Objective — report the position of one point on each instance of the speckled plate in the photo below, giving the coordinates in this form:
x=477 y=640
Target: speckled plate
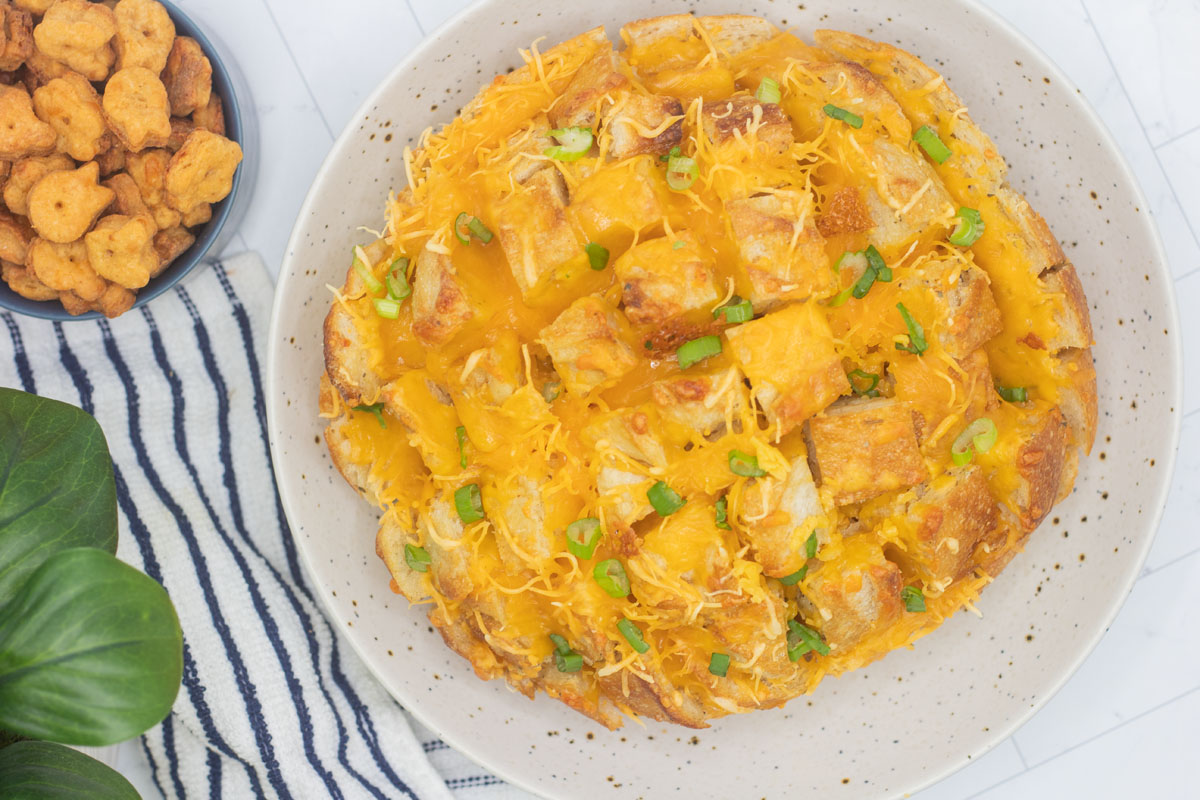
x=915 y=716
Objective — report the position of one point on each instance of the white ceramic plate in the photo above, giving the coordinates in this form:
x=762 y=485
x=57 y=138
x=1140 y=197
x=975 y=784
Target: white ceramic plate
x=906 y=721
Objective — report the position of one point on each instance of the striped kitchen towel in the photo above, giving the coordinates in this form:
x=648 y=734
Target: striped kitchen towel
x=273 y=703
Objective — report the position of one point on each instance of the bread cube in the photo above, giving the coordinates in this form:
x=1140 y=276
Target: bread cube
x=633 y=432
x=441 y=529
x=622 y=198
x=1077 y=398
x=665 y=277
x=782 y=252
x=590 y=92
x=518 y=510
x=440 y=306
x=734 y=34
x=702 y=403
x=862 y=448
x=845 y=212
x=533 y=229
x=1071 y=315
x=396 y=530
x=623 y=495
x=856 y=596
x=644 y=124
x=425 y=409
x=526 y=149
x=1039 y=446
x=790 y=359
x=908 y=198
x=744 y=119
x=969 y=311
x=586 y=346
x=779 y=516
x=950 y=515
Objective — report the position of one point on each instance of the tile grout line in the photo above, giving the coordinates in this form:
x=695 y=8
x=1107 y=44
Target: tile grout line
x=288 y=47
x=1089 y=740
x=416 y=19
x=1153 y=570
x=1129 y=98
x=1189 y=273
x=1176 y=137
x=1020 y=755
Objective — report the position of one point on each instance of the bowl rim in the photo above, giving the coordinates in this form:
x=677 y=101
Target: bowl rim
x=998 y=733
x=224 y=84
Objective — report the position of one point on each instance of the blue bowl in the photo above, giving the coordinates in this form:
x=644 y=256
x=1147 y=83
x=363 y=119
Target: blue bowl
x=228 y=84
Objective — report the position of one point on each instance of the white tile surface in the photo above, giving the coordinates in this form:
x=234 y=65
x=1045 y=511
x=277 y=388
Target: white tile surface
x=1181 y=159
x=1153 y=756
x=1153 y=45
x=1128 y=723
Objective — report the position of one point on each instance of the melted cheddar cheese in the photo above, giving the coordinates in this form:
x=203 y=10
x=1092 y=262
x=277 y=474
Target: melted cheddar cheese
x=821 y=520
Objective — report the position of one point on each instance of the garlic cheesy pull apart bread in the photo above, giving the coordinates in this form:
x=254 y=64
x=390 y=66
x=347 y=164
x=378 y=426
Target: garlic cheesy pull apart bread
x=691 y=371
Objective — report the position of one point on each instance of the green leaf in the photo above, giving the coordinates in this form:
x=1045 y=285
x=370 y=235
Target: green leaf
x=45 y=771
x=90 y=651
x=56 y=485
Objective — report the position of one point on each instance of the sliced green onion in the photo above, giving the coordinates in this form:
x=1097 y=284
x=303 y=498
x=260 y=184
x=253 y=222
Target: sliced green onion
x=745 y=465
x=719 y=663
x=610 y=574
x=810 y=545
x=841 y=297
x=859 y=258
x=736 y=310
x=573 y=145
x=468 y=503
x=768 y=91
x=795 y=577
x=916 y=334
x=461 y=231
x=666 y=501
x=377 y=410
x=633 y=635
x=1015 y=394
x=479 y=230
x=858 y=375
x=969 y=228
x=597 y=256
x=673 y=153
x=551 y=390
x=397 y=279
x=876 y=270
x=678 y=244
x=568 y=662
x=364 y=271
x=681 y=173
x=979 y=436
x=801 y=639
x=649 y=345
x=723 y=513
x=914 y=598
x=875 y=261
x=417 y=558
x=460 y=433
x=582 y=537
x=932 y=144
x=560 y=643
x=853 y=120
x=386 y=307
x=697 y=350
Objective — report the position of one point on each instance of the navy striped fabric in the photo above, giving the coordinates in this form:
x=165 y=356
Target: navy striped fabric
x=273 y=704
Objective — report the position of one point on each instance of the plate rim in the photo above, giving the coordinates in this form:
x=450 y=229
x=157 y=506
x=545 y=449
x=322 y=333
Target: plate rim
x=992 y=19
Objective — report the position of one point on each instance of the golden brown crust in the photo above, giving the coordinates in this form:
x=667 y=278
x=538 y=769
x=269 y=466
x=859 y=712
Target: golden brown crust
x=1074 y=321
x=1040 y=462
